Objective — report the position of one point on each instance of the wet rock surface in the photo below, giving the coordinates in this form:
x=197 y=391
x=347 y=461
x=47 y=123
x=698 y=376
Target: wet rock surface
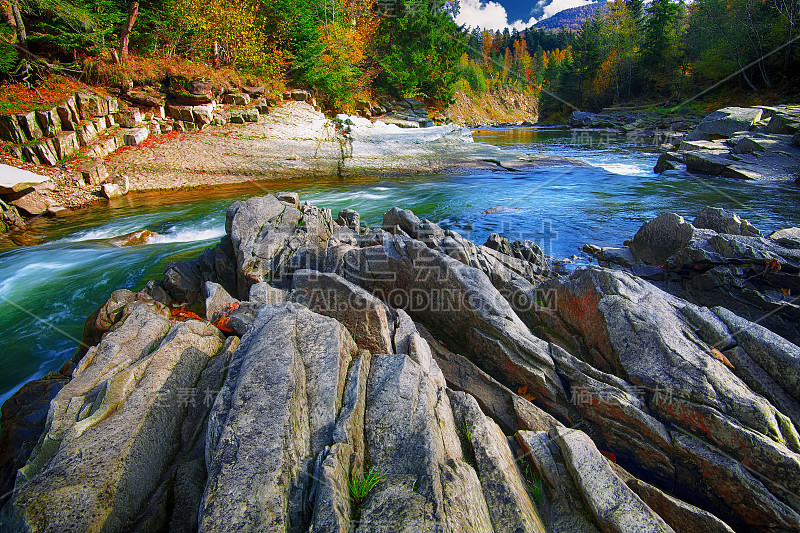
x=464 y=387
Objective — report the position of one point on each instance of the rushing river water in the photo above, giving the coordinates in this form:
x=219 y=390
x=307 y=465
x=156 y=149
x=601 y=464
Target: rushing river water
x=47 y=290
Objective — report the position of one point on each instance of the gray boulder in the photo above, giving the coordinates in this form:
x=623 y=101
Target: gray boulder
x=498 y=244
x=116 y=426
x=264 y=293
x=271 y=239
x=721 y=221
x=291 y=198
x=583 y=119
x=725 y=122
x=660 y=238
x=411 y=439
x=218 y=302
x=350 y=219
x=182 y=281
x=369 y=320
x=615 y=506
x=789 y=237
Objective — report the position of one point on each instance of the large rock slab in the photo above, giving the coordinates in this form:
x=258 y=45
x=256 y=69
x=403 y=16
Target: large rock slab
x=725 y=122
x=722 y=261
x=114 y=428
x=564 y=508
x=502 y=482
x=15 y=180
x=511 y=411
x=33 y=203
x=681 y=516
x=412 y=440
x=334 y=467
x=368 y=319
x=615 y=506
x=276 y=411
x=11 y=130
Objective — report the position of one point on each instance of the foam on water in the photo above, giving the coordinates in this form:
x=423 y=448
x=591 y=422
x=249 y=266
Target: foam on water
x=626 y=169
x=188 y=235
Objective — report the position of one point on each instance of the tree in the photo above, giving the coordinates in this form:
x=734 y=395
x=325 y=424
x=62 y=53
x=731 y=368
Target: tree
x=124 y=38
x=419 y=49
x=725 y=36
x=18 y=25
x=659 y=52
x=488 y=43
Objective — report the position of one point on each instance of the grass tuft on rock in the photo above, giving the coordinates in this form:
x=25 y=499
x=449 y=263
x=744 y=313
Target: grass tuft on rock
x=360 y=485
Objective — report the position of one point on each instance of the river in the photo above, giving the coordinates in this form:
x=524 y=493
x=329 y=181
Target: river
x=49 y=288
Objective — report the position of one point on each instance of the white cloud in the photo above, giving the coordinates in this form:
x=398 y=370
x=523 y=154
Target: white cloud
x=560 y=5
x=491 y=16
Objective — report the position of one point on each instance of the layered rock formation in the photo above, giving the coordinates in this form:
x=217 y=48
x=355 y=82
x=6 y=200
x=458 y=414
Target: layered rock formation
x=719 y=260
x=749 y=143
x=462 y=387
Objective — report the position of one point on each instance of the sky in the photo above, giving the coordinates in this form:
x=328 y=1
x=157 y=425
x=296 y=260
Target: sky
x=512 y=14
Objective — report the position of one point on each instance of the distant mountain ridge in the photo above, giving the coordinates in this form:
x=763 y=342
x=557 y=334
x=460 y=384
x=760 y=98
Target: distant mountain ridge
x=571 y=19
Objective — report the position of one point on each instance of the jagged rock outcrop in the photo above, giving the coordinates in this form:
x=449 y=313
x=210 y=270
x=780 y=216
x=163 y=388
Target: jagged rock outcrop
x=461 y=303
x=718 y=260
x=684 y=401
x=582 y=403
x=114 y=431
x=301 y=358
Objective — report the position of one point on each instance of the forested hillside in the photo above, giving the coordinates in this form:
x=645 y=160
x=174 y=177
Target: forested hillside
x=351 y=49
x=630 y=50
x=342 y=48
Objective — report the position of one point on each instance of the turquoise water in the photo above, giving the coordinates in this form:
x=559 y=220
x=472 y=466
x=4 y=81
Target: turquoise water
x=48 y=289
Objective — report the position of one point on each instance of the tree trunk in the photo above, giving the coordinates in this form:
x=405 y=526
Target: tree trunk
x=19 y=26
x=744 y=75
x=8 y=15
x=124 y=38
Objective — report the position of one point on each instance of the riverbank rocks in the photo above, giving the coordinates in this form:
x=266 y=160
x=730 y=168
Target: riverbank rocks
x=10 y=218
x=118 y=416
x=720 y=260
x=725 y=123
x=687 y=381
x=722 y=221
x=743 y=143
x=586 y=402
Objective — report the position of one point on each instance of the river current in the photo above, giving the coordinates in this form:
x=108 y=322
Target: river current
x=48 y=289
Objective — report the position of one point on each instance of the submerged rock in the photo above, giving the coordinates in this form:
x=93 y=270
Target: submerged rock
x=133 y=239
